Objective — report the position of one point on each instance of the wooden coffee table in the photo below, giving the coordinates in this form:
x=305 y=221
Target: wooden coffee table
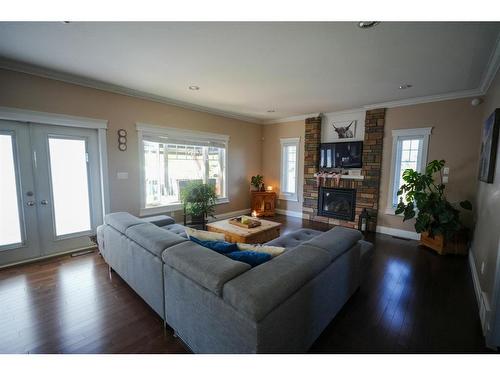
x=267 y=231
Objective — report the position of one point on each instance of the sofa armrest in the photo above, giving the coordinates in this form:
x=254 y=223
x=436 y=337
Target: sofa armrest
x=206 y=267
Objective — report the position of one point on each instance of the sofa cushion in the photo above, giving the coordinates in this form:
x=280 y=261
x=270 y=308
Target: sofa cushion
x=336 y=241
x=159 y=220
x=152 y=238
x=204 y=235
x=252 y=258
x=258 y=291
x=177 y=229
x=274 y=251
x=121 y=221
x=222 y=247
x=207 y=268
x=294 y=238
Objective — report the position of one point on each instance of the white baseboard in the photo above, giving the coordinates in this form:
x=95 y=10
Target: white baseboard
x=227 y=215
x=289 y=213
x=482 y=299
x=398 y=232
x=45 y=257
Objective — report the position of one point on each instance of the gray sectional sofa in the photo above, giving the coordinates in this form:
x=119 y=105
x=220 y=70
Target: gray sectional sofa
x=218 y=305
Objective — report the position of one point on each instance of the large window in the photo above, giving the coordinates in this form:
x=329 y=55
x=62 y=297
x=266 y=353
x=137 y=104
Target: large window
x=289 y=168
x=409 y=151
x=173 y=157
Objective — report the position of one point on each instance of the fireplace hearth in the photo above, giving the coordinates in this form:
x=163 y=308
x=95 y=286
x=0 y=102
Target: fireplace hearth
x=338 y=203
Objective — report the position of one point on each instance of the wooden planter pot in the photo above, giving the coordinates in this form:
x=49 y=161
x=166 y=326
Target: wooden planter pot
x=456 y=245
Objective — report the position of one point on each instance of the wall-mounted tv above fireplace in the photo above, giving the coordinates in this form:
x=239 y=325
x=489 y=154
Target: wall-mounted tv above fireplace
x=341 y=155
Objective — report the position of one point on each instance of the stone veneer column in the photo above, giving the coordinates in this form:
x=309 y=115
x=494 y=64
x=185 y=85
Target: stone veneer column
x=372 y=162
x=367 y=190
x=312 y=142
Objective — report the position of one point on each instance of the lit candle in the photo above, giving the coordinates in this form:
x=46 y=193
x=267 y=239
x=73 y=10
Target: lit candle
x=254 y=213
x=269 y=188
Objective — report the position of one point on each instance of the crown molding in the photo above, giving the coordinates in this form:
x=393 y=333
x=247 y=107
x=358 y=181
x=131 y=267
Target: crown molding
x=491 y=68
x=116 y=89
x=487 y=78
x=290 y=119
x=426 y=99
x=392 y=104
x=489 y=74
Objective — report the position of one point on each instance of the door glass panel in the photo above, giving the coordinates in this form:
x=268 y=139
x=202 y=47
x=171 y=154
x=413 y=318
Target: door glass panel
x=10 y=225
x=70 y=188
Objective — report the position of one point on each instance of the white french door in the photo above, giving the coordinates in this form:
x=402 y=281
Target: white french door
x=49 y=190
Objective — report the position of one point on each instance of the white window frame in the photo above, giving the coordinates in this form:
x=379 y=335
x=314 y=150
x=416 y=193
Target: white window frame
x=177 y=134
x=398 y=136
x=289 y=142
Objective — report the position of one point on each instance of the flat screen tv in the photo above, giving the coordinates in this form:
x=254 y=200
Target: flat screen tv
x=341 y=155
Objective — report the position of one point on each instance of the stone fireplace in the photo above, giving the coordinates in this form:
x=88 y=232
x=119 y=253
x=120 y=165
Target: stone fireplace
x=363 y=190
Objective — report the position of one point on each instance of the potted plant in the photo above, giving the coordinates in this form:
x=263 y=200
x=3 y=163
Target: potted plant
x=198 y=200
x=438 y=221
x=257 y=182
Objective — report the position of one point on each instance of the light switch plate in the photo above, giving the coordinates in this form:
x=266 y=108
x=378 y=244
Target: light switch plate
x=122 y=175
x=445 y=179
x=446 y=170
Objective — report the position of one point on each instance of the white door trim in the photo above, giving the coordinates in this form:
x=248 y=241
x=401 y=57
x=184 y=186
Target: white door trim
x=24 y=115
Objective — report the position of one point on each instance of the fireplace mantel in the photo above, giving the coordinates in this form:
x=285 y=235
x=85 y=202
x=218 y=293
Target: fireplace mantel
x=342 y=176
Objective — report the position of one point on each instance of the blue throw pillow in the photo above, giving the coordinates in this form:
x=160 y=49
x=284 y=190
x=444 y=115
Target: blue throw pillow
x=252 y=258
x=222 y=247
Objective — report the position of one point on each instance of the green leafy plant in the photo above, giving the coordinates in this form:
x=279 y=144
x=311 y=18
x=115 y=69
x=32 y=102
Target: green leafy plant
x=425 y=199
x=257 y=181
x=199 y=199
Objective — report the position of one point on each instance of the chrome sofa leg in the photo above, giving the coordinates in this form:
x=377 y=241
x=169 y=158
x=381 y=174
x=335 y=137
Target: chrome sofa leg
x=110 y=272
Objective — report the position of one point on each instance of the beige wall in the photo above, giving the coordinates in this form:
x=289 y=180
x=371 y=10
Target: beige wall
x=456 y=129
x=40 y=94
x=486 y=244
x=271 y=158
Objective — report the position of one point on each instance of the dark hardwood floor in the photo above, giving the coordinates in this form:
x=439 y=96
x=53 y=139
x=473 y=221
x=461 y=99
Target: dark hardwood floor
x=411 y=301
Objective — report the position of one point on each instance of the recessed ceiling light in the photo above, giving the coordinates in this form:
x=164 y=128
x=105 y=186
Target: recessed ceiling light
x=271 y=110
x=405 y=86
x=367 y=24
x=194 y=88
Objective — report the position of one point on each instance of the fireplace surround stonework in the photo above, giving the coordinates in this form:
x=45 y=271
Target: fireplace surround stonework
x=367 y=189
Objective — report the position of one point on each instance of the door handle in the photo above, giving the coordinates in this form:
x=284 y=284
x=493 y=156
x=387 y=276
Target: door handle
x=30 y=203
x=44 y=202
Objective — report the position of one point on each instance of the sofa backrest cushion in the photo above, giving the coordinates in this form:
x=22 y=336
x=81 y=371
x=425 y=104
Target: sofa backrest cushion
x=121 y=221
x=295 y=238
x=258 y=291
x=159 y=220
x=152 y=238
x=207 y=268
x=336 y=241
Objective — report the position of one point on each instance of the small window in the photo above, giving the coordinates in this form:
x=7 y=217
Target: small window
x=409 y=151
x=289 y=168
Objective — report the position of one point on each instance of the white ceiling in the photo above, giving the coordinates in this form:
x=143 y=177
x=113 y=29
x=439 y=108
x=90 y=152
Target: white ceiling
x=245 y=69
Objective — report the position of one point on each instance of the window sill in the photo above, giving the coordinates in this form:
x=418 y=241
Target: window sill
x=288 y=198
x=392 y=211
x=170 y=208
